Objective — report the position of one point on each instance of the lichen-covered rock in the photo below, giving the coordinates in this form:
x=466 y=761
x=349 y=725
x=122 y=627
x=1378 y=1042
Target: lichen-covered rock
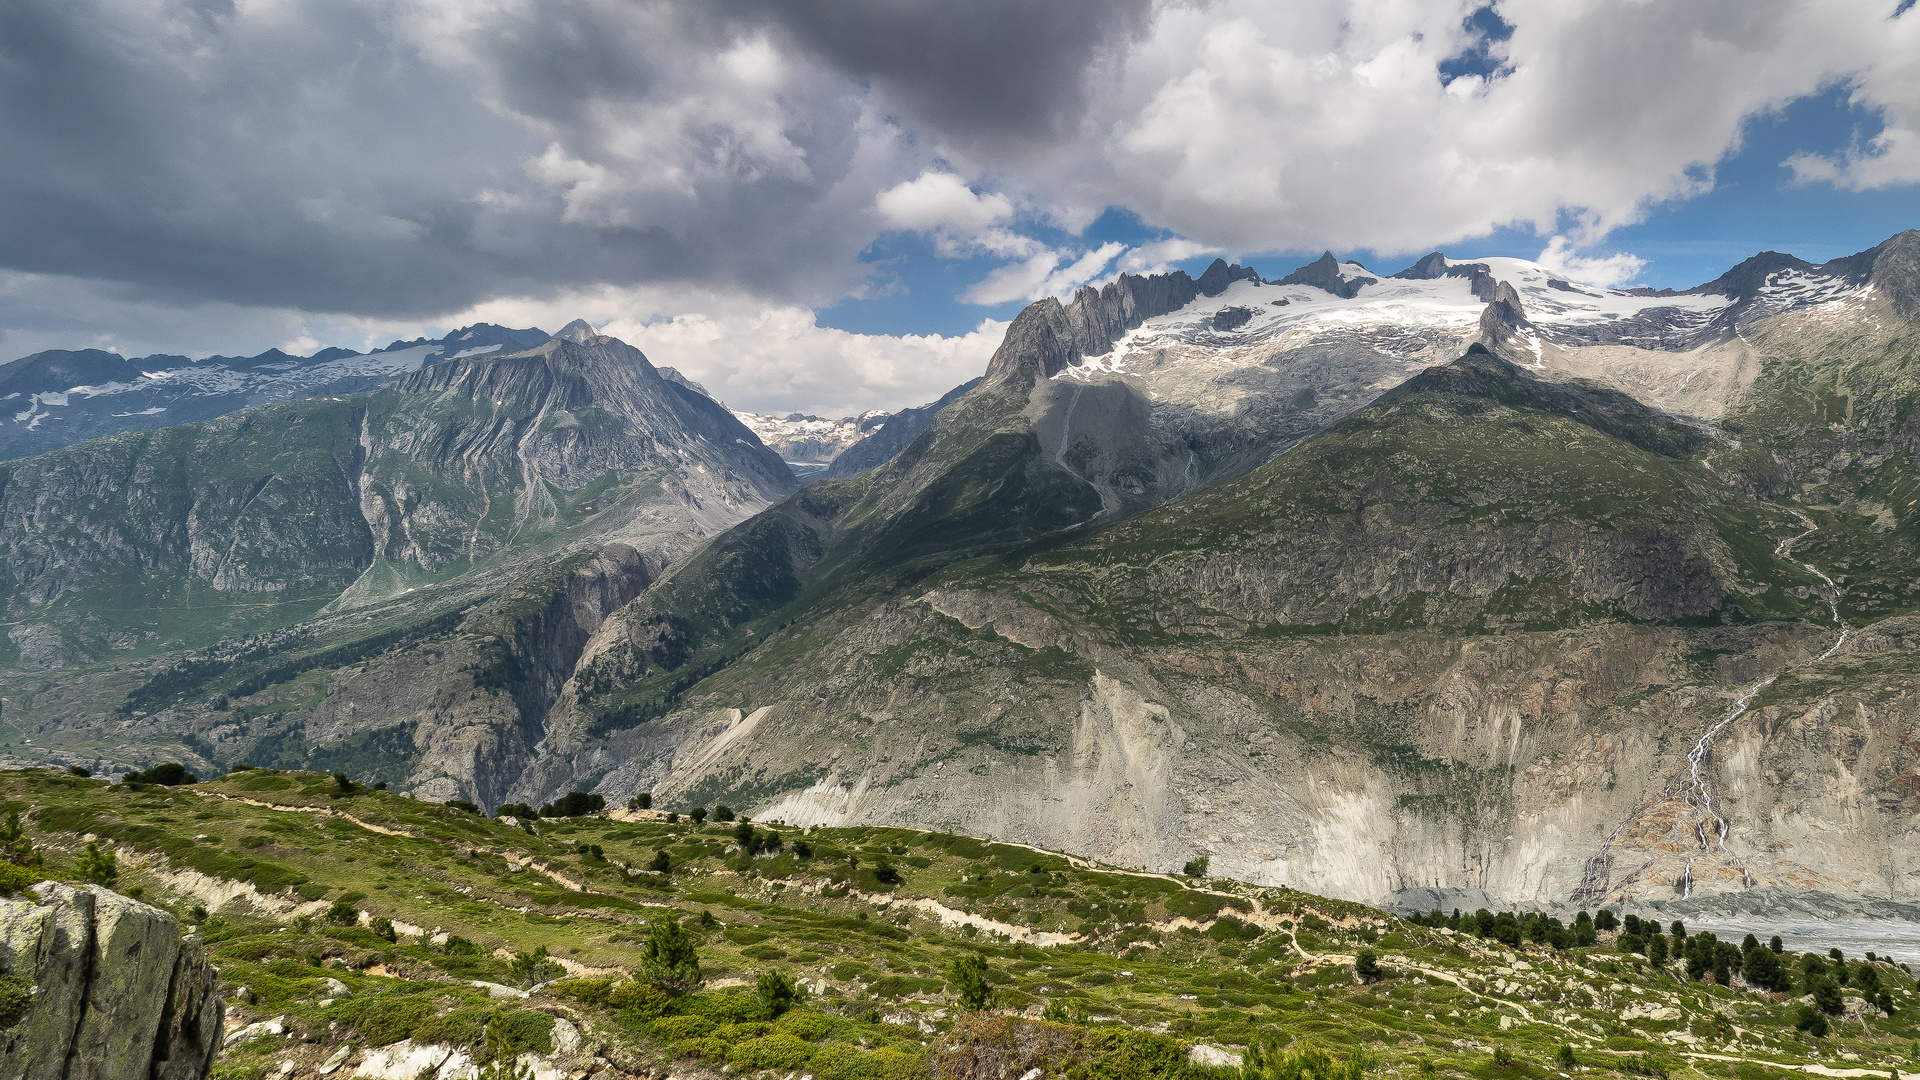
x=117 y=995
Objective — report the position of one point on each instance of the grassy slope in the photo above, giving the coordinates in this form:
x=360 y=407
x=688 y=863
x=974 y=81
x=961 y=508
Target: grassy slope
x=1155 y=964
x=1403 y=515
x=1833 y=422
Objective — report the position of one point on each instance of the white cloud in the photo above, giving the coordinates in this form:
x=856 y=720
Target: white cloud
x=961 y=223
x=1603 y=271
x=1249 y=125
x=760 y=357
x=1042 y=275
x=346 y=170
x=1887 y=81
x=1015 y=281
x=779 y=359
x=941 y=200
x=1157 y=257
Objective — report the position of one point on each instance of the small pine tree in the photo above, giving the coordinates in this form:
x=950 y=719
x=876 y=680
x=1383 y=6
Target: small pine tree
x=1196 y=867
x=968 y=975
x=98 y=867
x=776 y=992
x=670 y=961
x=661 y=864
x=533 y=967
x=1827 y=997
x=499 y=1054
x=1567 y=1060
x=1808 y=1019
x=1266 y=1059
x=16 y=846
x=699 y=815
x=1367 y=966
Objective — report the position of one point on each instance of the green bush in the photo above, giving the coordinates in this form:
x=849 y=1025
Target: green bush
x=771 y=1052
x=804 y=1025
x=721 y=1008
x=385 y=1021
x=588 y=991
x=676 y=1028
x=709 y=1048
x=891 y=1064
x=17 y=879
x=639 y=999
x=462 y=1027
x=1265 y=1059
x=528 y=1030
x=838 y=1061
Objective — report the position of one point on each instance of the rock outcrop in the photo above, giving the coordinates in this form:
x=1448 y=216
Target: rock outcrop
x=1046 y=338
x=1326 y=273
x=117 y=994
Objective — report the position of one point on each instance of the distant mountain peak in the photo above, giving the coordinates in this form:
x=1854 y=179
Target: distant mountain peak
x=1221 y=274
x=673 y=375
x=1341 y=279
x=579 y=331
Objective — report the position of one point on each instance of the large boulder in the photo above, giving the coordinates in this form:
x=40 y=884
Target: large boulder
x=117 y=994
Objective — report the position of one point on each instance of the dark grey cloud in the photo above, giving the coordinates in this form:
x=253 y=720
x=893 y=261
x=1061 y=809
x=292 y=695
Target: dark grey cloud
x=998 y=74
x=391 y=159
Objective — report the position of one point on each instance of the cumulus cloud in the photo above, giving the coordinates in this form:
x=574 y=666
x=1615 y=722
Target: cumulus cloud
x=1157 y=257
x=305 y=167
x=780 y=359
x=755 y=356
x=1601 y=270
x=941 y=205
x=1042 y=275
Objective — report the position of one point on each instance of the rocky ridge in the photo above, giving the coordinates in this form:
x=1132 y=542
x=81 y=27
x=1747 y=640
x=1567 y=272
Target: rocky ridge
x=1186 y=574
x=60 y=397
x=1493 y=600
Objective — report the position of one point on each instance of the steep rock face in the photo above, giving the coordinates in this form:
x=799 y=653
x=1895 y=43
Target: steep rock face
x=1327 y=273
x=59 y=397
x=1505 y=630
x=119 y=996
x=261 y=518
x=1046 y=337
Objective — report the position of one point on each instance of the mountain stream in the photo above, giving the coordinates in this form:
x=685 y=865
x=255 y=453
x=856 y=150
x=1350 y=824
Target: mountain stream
x=1694 y=787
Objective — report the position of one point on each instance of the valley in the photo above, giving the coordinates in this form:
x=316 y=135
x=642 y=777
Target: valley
x=1463 y=586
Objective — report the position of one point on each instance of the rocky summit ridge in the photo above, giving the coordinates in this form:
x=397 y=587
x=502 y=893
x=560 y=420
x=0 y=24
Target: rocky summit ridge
x=1470 y=580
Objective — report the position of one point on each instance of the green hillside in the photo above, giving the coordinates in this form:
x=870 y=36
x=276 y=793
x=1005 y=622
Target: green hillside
x=362 y=918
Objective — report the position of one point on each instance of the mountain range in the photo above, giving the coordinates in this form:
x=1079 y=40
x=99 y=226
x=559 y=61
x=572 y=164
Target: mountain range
x=1464 y=582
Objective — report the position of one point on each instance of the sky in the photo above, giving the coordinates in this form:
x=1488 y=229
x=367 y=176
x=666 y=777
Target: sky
x=829 y=206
